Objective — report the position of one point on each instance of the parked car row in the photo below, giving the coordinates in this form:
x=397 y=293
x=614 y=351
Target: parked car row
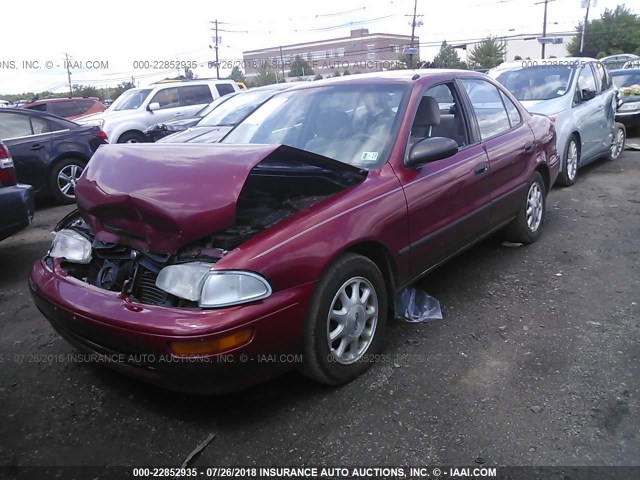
x=287 y=218
x=294 y=233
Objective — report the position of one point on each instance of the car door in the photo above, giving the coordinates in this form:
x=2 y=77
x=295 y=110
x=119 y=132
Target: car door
x=169 y=108
x=448 y=200
x=28 y=139
x=607 y=99
x=508 y=142
x=588 y=112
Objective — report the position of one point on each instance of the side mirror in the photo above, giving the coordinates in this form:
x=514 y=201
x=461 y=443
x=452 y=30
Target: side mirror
x=430 y=150
x=153 y=106
x=587 y=94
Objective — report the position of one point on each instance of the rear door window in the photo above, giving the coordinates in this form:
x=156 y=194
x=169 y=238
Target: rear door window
x=14 y=125
x=514 y=115
x=195 y=95
x=488 y=106
x=225 y=89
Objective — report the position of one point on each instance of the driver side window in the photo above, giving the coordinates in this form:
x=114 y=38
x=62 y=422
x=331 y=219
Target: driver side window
x=439 y=114
x=586 y=80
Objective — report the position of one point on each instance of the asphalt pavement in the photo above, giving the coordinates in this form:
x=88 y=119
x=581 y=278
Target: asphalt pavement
x=536 y=362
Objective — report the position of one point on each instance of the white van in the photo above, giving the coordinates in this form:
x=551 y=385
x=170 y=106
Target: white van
x=139 y=108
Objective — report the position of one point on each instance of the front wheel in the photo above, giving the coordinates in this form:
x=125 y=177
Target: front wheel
x=527 y=226
x=571 y=160
x=63 y=179
x=346 y=322
x=619 y=139
x=132 y=137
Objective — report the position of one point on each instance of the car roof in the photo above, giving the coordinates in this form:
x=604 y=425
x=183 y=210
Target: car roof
x=392 y=76
x=622 y=71
x=35 y=113
x=60 y=99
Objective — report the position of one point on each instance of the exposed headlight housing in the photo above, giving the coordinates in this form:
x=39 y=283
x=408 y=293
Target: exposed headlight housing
x=72 y=246
x=196 y=281
x=629 y=107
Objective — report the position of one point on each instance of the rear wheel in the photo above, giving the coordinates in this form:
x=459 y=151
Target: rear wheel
x=619 y=139
x=571 y=160
x=131 y=137
x=346 y=322
x=527 y=226
x=63 y=179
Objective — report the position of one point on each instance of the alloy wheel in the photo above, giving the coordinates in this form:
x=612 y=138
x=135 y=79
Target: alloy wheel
x=68 y=178
x=618 y=143
x=572 y=160
x=352 y=320
x=535 y=206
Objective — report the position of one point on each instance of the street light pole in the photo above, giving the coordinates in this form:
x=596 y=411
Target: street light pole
x=584 y=27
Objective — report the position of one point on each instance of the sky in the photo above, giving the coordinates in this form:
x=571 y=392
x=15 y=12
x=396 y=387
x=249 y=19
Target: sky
x=125 y=33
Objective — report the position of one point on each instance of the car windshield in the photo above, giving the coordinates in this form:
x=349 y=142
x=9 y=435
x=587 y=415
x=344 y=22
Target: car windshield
x=626 y=79
x=544 y=82
x=354 y=124
x=215 y=104
x=231 y=112
x=130 y=100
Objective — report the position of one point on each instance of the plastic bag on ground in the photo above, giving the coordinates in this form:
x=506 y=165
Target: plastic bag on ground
x=415 y=305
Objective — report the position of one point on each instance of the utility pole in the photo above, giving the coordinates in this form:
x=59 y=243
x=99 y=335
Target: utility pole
x=282 y=62
x=544 y=23
x=216 y=48
x=584 y=27
x=414 y=24
x=68 y=74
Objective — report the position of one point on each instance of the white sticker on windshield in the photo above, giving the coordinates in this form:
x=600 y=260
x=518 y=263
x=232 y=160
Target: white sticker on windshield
x=561 y=92
x=369 y=156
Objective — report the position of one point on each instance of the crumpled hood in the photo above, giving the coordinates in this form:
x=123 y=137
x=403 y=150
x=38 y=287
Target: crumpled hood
x=174 y=125
x=161 y=197
x=198 y=135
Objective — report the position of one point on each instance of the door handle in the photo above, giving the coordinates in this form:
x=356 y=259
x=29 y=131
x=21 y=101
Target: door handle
x=179 y=114
x=480 y=168
x=36 y=146
x=528 y=147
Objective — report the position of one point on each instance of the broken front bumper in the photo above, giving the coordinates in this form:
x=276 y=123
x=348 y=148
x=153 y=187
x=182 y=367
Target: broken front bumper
x=134 y=338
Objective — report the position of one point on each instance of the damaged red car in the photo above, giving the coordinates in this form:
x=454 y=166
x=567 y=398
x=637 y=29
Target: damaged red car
x=206 y=268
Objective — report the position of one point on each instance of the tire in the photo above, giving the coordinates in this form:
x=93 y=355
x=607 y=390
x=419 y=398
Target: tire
x=618 y=141
x=132 y=137
x=63 y=178
x=569 y=171
x=323 y=361
x=527 y=226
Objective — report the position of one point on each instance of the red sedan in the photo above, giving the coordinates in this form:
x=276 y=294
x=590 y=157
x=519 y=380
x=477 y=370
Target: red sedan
x=212 y=267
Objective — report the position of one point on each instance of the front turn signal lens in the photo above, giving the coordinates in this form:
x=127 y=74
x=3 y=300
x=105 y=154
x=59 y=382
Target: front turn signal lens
x=212 y=346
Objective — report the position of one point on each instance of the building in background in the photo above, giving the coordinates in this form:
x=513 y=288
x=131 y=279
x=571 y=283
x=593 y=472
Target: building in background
x=360 y=52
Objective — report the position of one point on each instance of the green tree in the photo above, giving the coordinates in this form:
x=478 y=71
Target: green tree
x=188 y=74
x=237 y=75
x=122 y=87
x=266 y=76
x=346 y=72
x=403 y=62
x=616 y=31
x=448 y=57
x=318 y=77
x=488 y=53
x=85 y=91
x=300 y=67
